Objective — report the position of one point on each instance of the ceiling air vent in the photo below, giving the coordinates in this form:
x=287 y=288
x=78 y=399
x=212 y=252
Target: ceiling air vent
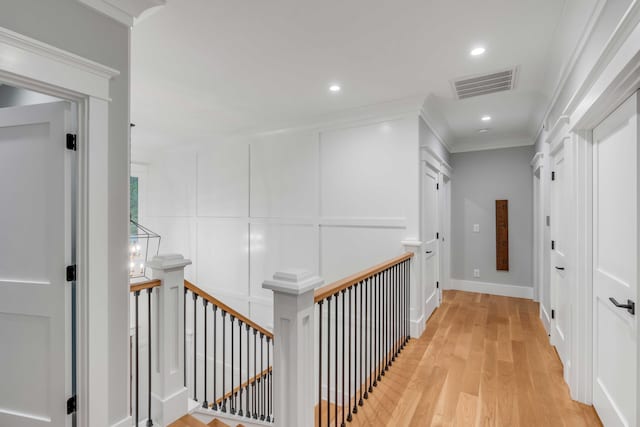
x=468 y=87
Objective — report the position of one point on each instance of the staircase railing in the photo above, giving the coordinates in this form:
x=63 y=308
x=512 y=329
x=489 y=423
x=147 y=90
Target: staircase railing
x=229 y=368
x=363 y=324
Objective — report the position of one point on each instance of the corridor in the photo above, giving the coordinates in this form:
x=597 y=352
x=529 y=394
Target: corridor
x=483 y=360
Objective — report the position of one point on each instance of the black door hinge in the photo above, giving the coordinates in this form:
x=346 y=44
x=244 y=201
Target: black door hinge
x=553 y=314
x=437 y=285
x=71 y=405
x=437 y=235
x=71 y=142
x=437 y=186
x=553 y=244
x=71 y=273
x=553 y=176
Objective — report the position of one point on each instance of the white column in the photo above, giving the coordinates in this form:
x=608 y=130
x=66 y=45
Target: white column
x=169 y=395
x=416 y=296
x=293 y=358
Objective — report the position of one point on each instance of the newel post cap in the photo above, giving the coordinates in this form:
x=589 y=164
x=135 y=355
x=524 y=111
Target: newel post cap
x=293 y=282
x=168 y=262
x=411 y=244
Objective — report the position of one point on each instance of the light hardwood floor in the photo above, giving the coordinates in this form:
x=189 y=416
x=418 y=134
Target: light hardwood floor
x=483 y=360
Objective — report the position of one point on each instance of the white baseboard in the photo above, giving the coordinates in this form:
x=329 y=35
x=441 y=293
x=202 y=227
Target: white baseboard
x=546 y=320
x=492 y=288
x=416 y=327
x=431 y=304
x=126 y=422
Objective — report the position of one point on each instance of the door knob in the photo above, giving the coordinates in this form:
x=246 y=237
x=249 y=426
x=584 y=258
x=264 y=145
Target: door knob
x=630 y=306
x=559 y=268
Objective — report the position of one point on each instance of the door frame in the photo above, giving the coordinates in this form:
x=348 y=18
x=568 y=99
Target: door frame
x=31 y=64
x=614 y=77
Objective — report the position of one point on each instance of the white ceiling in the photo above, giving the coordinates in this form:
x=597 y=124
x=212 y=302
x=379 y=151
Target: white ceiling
x=207 y=67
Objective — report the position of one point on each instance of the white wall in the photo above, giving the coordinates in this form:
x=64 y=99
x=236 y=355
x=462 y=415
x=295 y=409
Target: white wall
x=333 y=201
x=71 y=26
x=479 y=179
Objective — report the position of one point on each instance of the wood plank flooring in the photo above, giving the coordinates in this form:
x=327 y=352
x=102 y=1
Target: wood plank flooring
x=483 y=360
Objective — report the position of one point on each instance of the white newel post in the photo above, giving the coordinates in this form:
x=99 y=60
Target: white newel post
x=416 y=296
x=293 y=359
x=167 y=382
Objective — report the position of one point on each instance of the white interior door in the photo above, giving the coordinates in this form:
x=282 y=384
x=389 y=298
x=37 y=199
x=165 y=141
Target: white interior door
x=35 y=247
x=429 y=234
x=615 y=266
x=444 y=215
x=561 y=304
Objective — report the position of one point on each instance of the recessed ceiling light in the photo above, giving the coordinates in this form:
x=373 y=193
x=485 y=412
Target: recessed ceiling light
x=477 y=51
x=486 y=118
x=335 y=88
x=483 y=130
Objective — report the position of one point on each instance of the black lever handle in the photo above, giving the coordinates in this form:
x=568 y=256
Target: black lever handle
x=428 y=252
x=630 y=306
x=559 y=268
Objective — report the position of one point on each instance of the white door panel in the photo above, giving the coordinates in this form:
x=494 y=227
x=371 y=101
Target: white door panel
x=429 y=230
x=561 y=325
x=34 y=249
x=615 y=266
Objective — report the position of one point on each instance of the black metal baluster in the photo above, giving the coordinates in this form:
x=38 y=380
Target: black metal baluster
x=184 y=335
x=255 y=373
x=393 y=313
x=320 y=363
x=240 y=323
x=387 y=312
x=371 y=331
x=205 y=404
x=328 y=361
x=360 y=372
x=223 y=405
x=248 y=412
x=195 y=347
x=404 y=303
x=407 y=309
x=355 y=349
x=366 y=332
x=397 y=288
x=232 y=399
x=335 y=401
x=215 y=357
x=376 y=334
x=149 y=422
x=350 y=338
x=379 y=366
x=136 y=294
x=262 y=378
x=343 y=358
x=269 y=395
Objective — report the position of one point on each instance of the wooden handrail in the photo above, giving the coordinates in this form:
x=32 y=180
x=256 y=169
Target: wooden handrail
x=245 y=384
x=196 y=290
x=347 y=282
x=144 y=285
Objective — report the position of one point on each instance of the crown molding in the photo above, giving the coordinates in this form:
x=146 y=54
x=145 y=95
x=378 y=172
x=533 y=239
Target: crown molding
x=127 y=12
x=537 y=160
x=555 y=130
x=429 y=121
x=571 y=64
